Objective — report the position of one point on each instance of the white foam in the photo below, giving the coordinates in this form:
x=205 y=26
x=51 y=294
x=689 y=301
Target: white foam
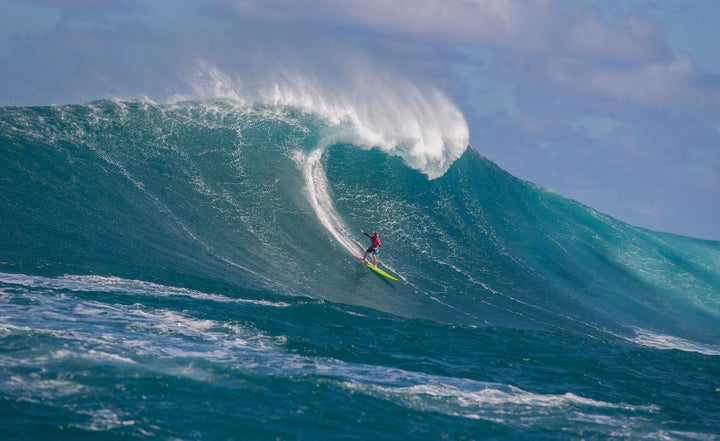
x=119 y=334
x=364 y=104
x=499 y=403
x=106 y=356
x=110 y=284
x=103 y=419
x=32 y=388
x=651 y=339
x=157 y=339
x=318 y=194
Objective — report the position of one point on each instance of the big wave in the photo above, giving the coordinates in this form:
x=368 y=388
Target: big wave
x=220 y=195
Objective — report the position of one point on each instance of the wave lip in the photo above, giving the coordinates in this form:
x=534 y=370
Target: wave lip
x=369 y=108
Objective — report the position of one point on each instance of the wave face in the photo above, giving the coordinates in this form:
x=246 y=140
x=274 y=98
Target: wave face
x=201 y=253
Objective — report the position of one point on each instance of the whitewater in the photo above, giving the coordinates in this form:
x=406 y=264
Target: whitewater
x=185 y=271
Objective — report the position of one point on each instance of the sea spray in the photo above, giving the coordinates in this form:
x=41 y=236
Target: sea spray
x=374 y=109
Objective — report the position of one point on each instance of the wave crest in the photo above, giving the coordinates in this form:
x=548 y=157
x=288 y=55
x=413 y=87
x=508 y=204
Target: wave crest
x=371 y=108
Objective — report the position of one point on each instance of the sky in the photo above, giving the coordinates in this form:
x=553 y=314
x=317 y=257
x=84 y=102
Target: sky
x=613 y=103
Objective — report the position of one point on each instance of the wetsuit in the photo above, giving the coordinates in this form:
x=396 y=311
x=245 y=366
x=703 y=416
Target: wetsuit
x=374 y=245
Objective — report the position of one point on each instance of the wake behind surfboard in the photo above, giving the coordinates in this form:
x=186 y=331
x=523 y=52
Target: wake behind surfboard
x=376 y=269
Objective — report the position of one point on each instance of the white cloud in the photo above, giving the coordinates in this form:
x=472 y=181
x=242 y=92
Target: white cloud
x=570 y=44
x=530 y=26
x=629 y=39
x=664 y=85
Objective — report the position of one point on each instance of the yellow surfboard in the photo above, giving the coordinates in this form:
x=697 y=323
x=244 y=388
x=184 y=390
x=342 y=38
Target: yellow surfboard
x=378 y=270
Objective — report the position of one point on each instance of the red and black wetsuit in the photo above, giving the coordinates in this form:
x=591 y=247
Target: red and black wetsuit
x=375 y=242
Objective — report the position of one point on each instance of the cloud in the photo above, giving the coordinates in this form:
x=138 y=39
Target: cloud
x=83 y=5
x=538 y=26
x=653 y=85
x=568 y=46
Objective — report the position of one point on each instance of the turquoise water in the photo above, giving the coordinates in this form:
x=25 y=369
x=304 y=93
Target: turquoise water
x=185 y=271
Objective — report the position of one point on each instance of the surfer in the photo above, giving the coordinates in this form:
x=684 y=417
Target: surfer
x=374 y=248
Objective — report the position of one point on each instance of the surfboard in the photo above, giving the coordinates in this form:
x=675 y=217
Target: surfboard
x=377 y=270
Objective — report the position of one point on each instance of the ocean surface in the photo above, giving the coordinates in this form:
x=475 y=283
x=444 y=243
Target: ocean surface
x=185 y=271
